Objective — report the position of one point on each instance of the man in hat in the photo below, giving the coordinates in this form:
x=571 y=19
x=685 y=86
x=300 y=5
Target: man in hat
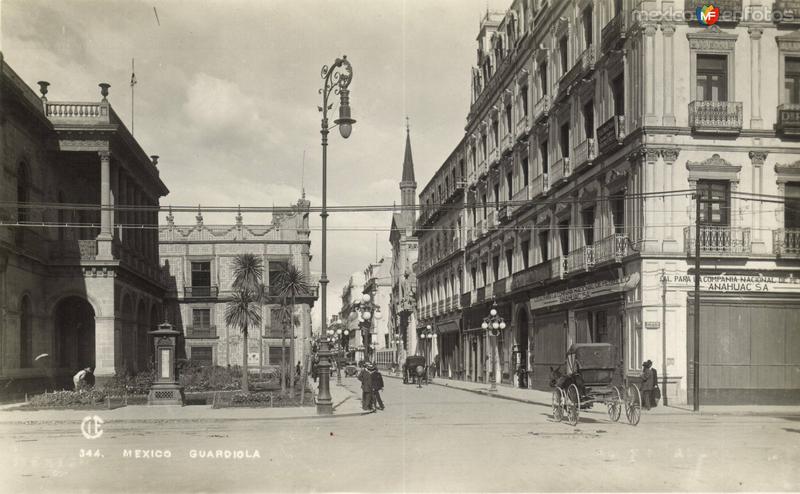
x=377 y=385
x=649 y=382
x=366 y=388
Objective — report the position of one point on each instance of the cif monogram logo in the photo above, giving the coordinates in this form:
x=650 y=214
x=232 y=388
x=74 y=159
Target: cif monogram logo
x=91 y=427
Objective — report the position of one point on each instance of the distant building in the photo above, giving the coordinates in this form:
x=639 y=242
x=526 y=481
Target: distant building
x=377 y=284
x=197 y=259
x=85 y=288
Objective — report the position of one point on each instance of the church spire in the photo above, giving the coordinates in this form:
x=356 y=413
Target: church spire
x=408 y=161
x=408 y=185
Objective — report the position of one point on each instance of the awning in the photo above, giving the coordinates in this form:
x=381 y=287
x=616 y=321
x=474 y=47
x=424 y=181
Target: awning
x=447 y=327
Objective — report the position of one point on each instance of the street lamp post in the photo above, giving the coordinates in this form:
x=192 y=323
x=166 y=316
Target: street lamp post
x=494 y=323
x=337 y=78
x=367 y=311
x=339 y=345
x=398 y=342
x=427 y=335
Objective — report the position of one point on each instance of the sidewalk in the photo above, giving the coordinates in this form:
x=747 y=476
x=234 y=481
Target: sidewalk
x=544 y=398
x=345 y=404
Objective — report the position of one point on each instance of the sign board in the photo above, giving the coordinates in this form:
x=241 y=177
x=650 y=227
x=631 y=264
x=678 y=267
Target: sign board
x=652 y=324
x=736 y=283
x=583 y=292
x=252 y=358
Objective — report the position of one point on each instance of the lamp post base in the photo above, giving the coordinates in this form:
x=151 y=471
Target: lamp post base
x=324 y=400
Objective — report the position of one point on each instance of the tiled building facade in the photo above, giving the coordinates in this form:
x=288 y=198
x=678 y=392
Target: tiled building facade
x=79 y=288
x=592 y=125
x=198 y=262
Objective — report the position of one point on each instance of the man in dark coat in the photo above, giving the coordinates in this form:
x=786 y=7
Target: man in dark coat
x=366 y=389
x=377 y=385
x=649 y=382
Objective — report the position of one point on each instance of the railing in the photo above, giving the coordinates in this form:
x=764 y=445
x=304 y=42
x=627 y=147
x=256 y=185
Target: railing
x=201 y=332
x=612 y=248
x=580 y=259
x=76 y=111
x=440 y=306
x=494 y=156
x=786 y=242
x=557 y=268
x=489 y=291
x=718 y=240
x=533 y=275
x=541 y=109
x=492 y=219
x=539 y=186
x=560 y=171
x=507 y=143
x=613 y=34
x=470 y=235
x=501 y=287
x=611 y=134
x=584 y=153
x=466 y=299
x=789 y=117
x=480 y=294
x=503 y=214
x=200 y=291
x=522 y=125
x=519 y=200
x=483 y=169
x=722 y=117
x=583 y=66
x=786 y=11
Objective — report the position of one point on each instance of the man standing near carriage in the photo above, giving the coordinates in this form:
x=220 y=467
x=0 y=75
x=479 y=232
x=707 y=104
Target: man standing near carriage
x=649 y=382
x=376 y=379
x=366 y=387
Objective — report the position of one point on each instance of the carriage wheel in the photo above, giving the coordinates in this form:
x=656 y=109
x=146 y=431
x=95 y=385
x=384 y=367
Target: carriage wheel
x=633 y=404
x=615 y=404
x=573 y=404
x=558 y=404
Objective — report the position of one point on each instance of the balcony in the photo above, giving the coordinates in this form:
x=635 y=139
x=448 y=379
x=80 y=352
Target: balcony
x=522 y=126
x=584 y=154
x=715 y=117
x=503 y=214
x=534 y=275
x=611 y=249
x=718 y=241
x=729 y=10
x=480 y=230
x=77 y=112
x=560 y=171
x=519 y=200
x=786 y=12
x=200 y=291
x=489 y=291
x=493 y=222
x=494 y=156
x=480 y=295
x=483 y=169
x=201 y=332
x=501 y=287
x=582 y=68
x=541 y=110
x=507 y=143
x=440 y=307
x=557 y=268
x=466 y=299
x=613 y=34
x=789 y=118
x=581 y=259
x=786 y=242
x=470 y=236
x=539 y=186
x=611 y=134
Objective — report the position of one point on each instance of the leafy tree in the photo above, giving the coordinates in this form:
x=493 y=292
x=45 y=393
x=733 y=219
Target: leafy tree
x=291 y=283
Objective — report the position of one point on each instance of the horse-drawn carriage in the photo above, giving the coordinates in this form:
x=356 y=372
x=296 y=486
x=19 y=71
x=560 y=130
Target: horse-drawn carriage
x=415 y=370
x=589 y=380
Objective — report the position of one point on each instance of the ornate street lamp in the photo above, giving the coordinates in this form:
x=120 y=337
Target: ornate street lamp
x=495 y=324
x=337 y=78
x=428 y=335
x=367 y=312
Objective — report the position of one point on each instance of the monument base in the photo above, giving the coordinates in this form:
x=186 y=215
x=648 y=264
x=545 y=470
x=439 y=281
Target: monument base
x=165 y=394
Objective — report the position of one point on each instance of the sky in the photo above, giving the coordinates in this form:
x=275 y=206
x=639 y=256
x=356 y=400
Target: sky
x=227 y=96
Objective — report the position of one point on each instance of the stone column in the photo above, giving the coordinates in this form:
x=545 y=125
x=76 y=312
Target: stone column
x=757 y=181
x=670 y=156
x=650 y=117
x=755 y=77
x=105 y=346
x=669 y=76
x=105 y=236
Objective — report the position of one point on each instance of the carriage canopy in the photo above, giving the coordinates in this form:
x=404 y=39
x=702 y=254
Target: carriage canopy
x=593 y=355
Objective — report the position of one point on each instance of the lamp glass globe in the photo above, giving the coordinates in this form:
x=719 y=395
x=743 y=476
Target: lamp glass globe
x=502 y=325
x=485 y=325
x=365 y=298
x=493 y=312
x=496 y=325
x=367 y=316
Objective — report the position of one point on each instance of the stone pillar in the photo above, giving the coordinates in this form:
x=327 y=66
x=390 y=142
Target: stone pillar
x=650 y=117
x=669 y=76
x=757 y=181
x=105 y=346
x=670 y=156
x=756 y=121
x=106 y=215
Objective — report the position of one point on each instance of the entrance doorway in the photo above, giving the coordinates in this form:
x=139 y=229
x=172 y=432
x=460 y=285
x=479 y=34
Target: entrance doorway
x=74 y=319
x=522 y=345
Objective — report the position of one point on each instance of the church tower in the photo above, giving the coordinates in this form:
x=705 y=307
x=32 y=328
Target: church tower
x=408 y=186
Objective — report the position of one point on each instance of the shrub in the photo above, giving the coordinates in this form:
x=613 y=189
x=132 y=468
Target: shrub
x=59 y=399
x=216 y=378
x=125 y=384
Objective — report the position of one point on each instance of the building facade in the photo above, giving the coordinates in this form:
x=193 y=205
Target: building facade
x=82 y=287
x=197 y=260
x=402 y=314
x=594 y=127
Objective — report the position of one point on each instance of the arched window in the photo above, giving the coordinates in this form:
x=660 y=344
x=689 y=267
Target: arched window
x=23 y=191
x=25 y=333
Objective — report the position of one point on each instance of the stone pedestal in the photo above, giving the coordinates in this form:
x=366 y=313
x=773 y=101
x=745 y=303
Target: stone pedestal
x=165 y=389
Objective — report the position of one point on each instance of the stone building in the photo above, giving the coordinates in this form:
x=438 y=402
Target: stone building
x=197 y=260
x=402 y=301
x=378 y=285
x=592 y=125
x=80 y=283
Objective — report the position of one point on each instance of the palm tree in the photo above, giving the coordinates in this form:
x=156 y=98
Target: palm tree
x=243 y=310
x=291 y=283
x=285 y=315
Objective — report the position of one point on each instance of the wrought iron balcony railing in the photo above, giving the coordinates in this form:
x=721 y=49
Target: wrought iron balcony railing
x=581 y=259
x=507 y=143
x=200 y=291
x=519 y=200
x=786 y=242
x=584 y=153
x=201 y=331
x=716 y=117
x=533 y=275
x=539 y=186
x=503 y=214
x=718 y=240
x=522 y=126
x=613 y=35
x=583 y=66
x=611 y=249
x=541 y=109
x=789 y=118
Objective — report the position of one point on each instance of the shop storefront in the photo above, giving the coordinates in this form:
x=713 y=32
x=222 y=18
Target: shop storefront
x=450 y=364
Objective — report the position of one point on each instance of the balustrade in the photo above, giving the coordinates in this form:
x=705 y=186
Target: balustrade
x=580 y=259
x=560 y=171
x=613 y=35
x=612 y=248
x=721 y=117
x=584 y=152
x=540 y=185
x=718 y=240
x=786 y=242
x=541 y=109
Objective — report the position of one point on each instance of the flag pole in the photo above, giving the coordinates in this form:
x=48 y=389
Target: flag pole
x=133 y=83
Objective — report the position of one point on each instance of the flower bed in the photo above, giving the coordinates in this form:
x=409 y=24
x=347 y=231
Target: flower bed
x=85 y=398
x=263 y=399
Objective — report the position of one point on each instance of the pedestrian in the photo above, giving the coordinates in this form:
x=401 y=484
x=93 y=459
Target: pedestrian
x=84 y=378
x=366 y=388
x=377 y=385
x=649 y=383
x=314 y=371
x=298 y=369
x=436 y=365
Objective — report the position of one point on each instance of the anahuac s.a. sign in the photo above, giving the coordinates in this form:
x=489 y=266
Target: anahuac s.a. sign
x=735 y=283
